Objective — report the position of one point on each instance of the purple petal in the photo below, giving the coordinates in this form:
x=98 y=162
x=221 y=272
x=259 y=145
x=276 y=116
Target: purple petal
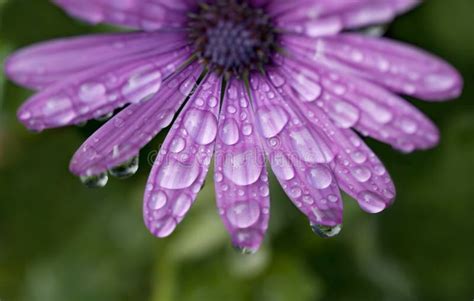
x=147 y=15
x=98 y=91
x=358 y=170
x=46 y=63
x=299 y=156
x=400 y=67
x=316 y=18
x=241 y=179
x=352 y=102
x=122 y=137
x=183 y=161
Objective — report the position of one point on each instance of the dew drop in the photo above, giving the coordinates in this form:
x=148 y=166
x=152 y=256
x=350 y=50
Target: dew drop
x=177 y=175
x=177 y=145
x=272 y=120
x=164 y=227
x=92 y=92
x=229 y=132
x=371 y=202
x=308 y=90
x=126 y=169
x=308 y=149
x=182 y=205
x=243 y=214
x=320 y=177
x=326 y=231
x=344 y=114
x=282 y=167
x=361 y=174
x=201 y=126
x=242 y=168
x=95 y=181
x=358 y=157
x=158 y=201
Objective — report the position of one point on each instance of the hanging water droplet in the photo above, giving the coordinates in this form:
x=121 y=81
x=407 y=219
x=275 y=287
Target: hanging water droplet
x=245 y=250
x=126 y=169
x=326 y=231
x=95 y=181
x=105 y=117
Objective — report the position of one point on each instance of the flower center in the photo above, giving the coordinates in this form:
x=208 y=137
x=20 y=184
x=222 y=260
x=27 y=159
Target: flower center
x=232 y=37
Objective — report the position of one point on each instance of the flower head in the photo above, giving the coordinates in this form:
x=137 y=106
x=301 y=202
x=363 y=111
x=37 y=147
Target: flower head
x=288 y=82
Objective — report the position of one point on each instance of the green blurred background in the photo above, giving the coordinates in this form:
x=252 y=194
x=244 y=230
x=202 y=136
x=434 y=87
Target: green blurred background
x=62 y=242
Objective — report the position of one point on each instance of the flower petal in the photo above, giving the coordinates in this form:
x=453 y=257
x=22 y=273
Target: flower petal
x=358 y=170
x=183 y=161
x=299 y=156
x=316 y=18
x=147 y=15
x=122 y=137
x=372 y=110
x=397 y=66
x=99 y=90
x=43 y=64
x=241 y=179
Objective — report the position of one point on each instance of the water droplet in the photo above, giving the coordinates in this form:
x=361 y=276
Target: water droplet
x=143 y=84
x=307 y=89
x=201 y=126
x=177 y=145
x=358 y=157
x=177 y=175
x=165 y=227
x=158 y=200
x=243 y=214
x=361 y=174
x=247 y=129
x=92 y=92
x=229 y=132
x=272 y=120
x=371 y=202
x=320 y=177
x=277 y=79
x=243 y=168
x=407 y=125
x=182 y=205
x=308 y=149
x=105 y=117
x=95 y=181
x=126 y=169
x=282 y=167
x=326 y=231
x=344 y=114
x=245 y=250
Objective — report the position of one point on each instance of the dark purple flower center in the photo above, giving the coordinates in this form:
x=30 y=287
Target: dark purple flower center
x=232 y=37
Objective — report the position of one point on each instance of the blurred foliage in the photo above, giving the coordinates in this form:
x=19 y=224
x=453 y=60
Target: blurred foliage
x=60 y=241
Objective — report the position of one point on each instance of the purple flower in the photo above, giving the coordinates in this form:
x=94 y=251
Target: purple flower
x=251 y=79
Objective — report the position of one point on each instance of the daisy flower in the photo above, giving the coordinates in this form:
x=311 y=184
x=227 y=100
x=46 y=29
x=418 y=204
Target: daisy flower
x=246 y=82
